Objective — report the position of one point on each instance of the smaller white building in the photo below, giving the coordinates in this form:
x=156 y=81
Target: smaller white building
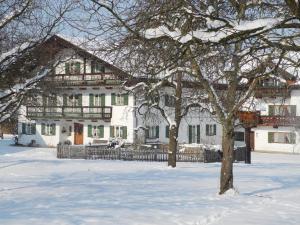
x=279 y=126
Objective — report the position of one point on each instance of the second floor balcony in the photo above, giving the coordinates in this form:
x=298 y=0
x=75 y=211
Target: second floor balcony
x=83 y=79
x=69 y=112
x=252 y=119
x=271 y=92
x=276 y=121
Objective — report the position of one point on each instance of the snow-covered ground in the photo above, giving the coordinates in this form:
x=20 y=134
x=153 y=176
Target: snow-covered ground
x=36 y=189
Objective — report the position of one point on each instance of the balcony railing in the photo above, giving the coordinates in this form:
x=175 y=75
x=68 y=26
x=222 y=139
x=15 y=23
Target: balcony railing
x=279 y=121
x=83 y=79
x=70 y=112
x=271 y=92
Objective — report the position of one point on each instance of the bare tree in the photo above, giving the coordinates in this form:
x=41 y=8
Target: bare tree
x=172 y=96
x=226 y=46
x=24 y=26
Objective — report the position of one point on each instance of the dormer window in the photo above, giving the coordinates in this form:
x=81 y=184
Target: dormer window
x=97 y=67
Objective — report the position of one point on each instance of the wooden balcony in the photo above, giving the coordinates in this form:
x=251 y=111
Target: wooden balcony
x=276 y=121
x=249 y=119
x=252 y=119
x=271 y=92
x=69 y=112
x=83 y=79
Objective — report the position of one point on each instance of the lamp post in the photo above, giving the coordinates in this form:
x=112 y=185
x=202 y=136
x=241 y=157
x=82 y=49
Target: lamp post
x=248 y=145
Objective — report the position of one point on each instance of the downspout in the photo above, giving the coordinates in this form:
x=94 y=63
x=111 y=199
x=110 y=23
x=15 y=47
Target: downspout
x=135 y=120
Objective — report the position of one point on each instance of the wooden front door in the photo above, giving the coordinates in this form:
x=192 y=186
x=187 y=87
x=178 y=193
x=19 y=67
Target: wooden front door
x=78 y=134
x=252 y=140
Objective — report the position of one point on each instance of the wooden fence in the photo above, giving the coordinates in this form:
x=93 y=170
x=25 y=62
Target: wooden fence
x=102 y=152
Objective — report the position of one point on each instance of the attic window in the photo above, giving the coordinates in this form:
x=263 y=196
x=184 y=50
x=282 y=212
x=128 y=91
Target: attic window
x=170 y=100
x=72 y=68
x=271 y=82
x=97 y=67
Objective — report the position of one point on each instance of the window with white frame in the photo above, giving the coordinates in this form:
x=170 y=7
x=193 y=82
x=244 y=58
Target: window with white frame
x=119 y=99
x=72 y=100
x=170 y=100
x=50 y=100
x=48 y=129
x=194 y=133
x=211 y=129
x=239 y=136
x=152 y=132
x=118 y=132
x=97 y=67
x=72 y=67
x=96 y=131
x=282 y=137
x=28 y=128
x=282 y=110
x=97 y=100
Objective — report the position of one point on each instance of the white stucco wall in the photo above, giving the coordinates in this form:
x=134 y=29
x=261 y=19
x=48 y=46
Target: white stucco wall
x=261 y=140
x=41 y=140
x=121 y=116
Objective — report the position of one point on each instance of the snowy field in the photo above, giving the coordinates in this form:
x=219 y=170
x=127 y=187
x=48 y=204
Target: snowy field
x=36 y=189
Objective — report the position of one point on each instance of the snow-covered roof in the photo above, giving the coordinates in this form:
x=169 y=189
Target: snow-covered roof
x=95 y=47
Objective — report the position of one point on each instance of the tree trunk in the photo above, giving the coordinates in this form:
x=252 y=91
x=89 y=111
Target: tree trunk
x=172 y=146
x=173 y=134
x=226 y=180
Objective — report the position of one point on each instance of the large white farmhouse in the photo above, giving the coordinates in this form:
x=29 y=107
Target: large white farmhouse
x=83 y=102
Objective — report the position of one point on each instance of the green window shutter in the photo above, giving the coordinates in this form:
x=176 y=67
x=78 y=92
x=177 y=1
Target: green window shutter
x=112 y=131
x=77 y=66
x=125 y=96
x=91 y=100
x=102 y=99
x=90 y=131
x=166 y=100
x=293 y=110
x=93 y=67
x=102 y=69
x=44 y=100
x=113 y=98
x=157 y=131
x=167 y=131
x=65 y=100
x=101 y=131
x=124 y=132
x=198 y=134
x=80 y=99
x=147 y=132
x=53 y=129
x=271 y=110
x=23 y=128
x=33 y=128
x=270 y=137
x=55 y=100
x=215 y=129
x=207 y=130
x=190 y=134
x=293 y=138
x=43 y=129
x=67 y=68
